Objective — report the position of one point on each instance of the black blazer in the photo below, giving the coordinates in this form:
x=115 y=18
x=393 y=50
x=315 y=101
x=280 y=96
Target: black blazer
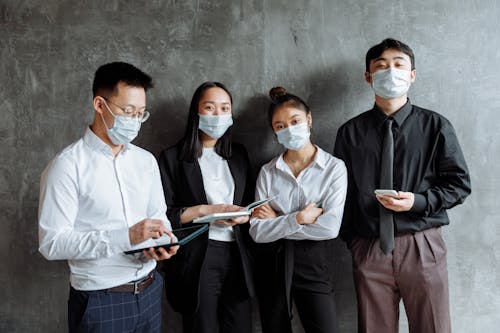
x=183 y=186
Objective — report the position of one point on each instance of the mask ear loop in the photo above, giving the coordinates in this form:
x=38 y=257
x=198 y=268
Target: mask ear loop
x=104 y=122
x=107 y=107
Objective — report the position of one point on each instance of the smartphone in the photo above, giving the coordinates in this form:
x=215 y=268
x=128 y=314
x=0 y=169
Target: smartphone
x=389 y=193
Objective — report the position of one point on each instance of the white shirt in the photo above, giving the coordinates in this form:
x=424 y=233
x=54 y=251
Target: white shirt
x=218 y=183
x=88 y=201
x=324 y=181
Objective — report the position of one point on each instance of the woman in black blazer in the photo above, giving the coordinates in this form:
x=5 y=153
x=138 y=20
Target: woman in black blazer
x=210 y=280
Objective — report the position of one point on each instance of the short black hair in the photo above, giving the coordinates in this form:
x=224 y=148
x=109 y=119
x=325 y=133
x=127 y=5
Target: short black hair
x=107 y=77
x=389 y=43
x=191 y=147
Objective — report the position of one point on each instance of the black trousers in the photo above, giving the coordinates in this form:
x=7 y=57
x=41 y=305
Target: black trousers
x=223 y=301
x=302 y=275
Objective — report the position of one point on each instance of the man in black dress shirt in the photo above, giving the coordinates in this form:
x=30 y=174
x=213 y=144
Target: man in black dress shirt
x=429 y=174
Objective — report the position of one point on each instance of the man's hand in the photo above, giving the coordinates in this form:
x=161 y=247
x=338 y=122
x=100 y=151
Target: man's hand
x=161 y=253
x=401 y=204
x=264 y=212
x=146 y=229
x=309 y=214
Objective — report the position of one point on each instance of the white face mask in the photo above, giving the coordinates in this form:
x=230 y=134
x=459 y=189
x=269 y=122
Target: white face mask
x=294 y=137
x=124 y=130
x=391 y=82
x=215 y=126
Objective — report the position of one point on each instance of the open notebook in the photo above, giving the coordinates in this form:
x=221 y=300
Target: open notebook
x=229 y=215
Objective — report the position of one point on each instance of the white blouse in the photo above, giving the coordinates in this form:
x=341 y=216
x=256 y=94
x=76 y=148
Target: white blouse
x=218 y=183
x=324 y=181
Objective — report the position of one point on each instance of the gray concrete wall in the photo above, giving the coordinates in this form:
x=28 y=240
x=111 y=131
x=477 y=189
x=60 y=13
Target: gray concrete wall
x=50 y=49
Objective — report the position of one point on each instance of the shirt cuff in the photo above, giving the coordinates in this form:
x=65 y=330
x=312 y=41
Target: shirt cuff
x=120 y=239
x=419 y=204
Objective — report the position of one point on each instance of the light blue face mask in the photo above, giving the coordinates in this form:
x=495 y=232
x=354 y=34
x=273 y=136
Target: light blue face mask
x=294 y=137
x=124 y=130
x=215 y=126
x=391 y=82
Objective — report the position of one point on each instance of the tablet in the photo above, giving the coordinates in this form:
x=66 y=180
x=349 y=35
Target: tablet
x=184 y=235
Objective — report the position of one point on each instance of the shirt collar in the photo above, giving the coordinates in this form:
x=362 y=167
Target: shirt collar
x=319 y=160
x=399 y=116
x=96 y=143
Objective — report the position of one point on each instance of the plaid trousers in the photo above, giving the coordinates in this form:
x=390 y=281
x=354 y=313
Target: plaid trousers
x=102 y=311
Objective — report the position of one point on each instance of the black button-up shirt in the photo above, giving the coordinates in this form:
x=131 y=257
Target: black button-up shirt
x=428 y=161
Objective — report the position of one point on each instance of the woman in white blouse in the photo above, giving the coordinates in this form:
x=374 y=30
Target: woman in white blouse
x=296 y=230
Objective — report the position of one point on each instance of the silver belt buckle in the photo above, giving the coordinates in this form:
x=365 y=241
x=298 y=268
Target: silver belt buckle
x=136 y=288
x=137 y=283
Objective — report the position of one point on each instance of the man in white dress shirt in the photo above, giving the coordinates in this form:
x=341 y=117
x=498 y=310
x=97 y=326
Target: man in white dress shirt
x=102 y=196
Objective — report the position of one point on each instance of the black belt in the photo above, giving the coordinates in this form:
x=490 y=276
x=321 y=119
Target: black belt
x=135 y=287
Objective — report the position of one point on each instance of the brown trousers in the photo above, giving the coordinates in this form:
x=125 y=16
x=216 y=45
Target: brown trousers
x=416 y=272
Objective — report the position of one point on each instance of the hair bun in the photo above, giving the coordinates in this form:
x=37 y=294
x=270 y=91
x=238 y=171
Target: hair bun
x=276 y=92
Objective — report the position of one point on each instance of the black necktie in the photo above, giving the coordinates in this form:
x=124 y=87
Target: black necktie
x=386 y=166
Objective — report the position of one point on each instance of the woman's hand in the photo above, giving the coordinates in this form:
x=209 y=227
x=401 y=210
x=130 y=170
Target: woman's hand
x=191 y=213
x=309 y=214
x=264 y=212
x=234 y=221
x=223 y=208
x=230 y=208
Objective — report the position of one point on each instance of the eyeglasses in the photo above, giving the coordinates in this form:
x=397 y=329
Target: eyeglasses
x=130 y=111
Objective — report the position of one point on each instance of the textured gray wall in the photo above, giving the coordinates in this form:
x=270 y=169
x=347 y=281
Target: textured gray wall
x=50 y=49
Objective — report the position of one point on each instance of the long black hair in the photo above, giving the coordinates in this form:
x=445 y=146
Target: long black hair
x=191 y=147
